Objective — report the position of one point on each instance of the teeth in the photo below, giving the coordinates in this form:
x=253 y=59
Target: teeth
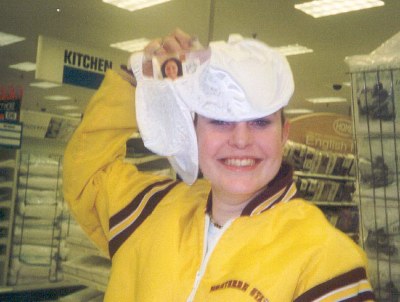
x=240 y=162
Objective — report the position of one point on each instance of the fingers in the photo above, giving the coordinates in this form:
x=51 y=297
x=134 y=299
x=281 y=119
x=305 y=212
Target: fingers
x=183 y=38
x=176 y=41
x=171 y=44
x=154 y=47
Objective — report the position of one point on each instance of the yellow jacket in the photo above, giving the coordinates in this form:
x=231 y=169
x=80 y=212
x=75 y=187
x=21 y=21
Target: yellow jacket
x=280 y=249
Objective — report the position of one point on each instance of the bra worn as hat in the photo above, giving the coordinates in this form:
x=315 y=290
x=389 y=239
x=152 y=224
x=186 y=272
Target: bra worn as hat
x=238 y=80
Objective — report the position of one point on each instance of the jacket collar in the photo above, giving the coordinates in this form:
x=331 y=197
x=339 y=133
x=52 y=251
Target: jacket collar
x=280 y=189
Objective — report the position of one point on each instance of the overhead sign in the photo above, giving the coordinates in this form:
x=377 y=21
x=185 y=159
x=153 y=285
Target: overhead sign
x=10 y=103
x=66 y=63
x=48 y=126
x=323 y=131
x=10 y=134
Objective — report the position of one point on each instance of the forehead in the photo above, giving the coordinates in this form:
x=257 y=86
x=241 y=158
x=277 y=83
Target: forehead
x=171 y=62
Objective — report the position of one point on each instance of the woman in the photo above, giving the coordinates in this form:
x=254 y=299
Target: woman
x=240 y=234
x=171 y=68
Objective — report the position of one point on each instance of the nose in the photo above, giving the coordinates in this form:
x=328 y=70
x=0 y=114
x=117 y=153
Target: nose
x=241 y=136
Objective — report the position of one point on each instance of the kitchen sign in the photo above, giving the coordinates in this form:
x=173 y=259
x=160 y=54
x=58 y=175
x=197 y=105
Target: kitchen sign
x=66 y=63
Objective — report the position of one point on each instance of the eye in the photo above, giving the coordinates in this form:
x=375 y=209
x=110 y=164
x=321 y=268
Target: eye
x=220 y=123
x=260 y=123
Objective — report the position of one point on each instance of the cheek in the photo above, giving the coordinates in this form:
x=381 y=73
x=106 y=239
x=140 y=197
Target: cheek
x=208 y=146
x=204 y=146
x=271 y=145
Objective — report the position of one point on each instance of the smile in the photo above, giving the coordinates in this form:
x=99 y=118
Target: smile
x=235 y=162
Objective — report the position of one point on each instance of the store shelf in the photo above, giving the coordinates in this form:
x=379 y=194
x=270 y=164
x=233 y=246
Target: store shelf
x=9 y=159
x=89 y=270
x=9 y=163
x=326 y=179
x=6 y=204
x=324 y=176
x=376 y=116
x=42 y=286
x=83 y=281
x=335 y=204
x=6 y=184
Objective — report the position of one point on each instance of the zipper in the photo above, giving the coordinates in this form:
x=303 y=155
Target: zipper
x=207 y=251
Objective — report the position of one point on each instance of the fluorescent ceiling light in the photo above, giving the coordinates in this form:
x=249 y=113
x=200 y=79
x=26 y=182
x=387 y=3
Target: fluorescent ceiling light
x=298 y=111
x=326 y=100
x=6 y=39
x=322 y=8
x=57 y=98
x=24 y=66
x=295 y=49
x=131 y=45
x=132 y=5
x=68 y=107
x=44 y=85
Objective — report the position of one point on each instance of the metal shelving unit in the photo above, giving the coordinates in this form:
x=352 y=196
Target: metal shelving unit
x=327 y=179
x=376 y=113
x=8 y=175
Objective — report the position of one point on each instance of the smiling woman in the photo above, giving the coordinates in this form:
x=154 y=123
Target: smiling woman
x=239 y=158
x=171 y=68
x=239 y=234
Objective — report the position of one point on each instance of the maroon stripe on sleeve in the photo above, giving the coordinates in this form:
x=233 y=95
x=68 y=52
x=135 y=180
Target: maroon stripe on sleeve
x=364 y=296
x=348 y=278
x=118 y=240
x=131 y=207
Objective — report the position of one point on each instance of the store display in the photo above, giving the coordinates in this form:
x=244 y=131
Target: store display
x=376 y=109
x=8 y=174
x=36 y=251
x=327 y=179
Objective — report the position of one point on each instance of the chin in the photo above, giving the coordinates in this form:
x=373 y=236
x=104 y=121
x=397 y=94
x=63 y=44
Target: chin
x=242 y=188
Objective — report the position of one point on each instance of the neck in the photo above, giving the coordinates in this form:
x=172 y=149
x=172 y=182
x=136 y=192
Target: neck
x=225 y=208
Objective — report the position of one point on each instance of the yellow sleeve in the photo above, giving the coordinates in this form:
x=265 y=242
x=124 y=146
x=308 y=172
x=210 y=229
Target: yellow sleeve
x=335 y=272
x=98 y=144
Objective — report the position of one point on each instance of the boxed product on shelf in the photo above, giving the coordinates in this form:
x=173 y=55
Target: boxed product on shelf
x=295 y=154
x=323 y=162
x=311 y=189
x=377 y=109
x=346 y=191
x=328 y=190
x=324 y=190
x=347 y=165
x=308 y=159
x=334 y=187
